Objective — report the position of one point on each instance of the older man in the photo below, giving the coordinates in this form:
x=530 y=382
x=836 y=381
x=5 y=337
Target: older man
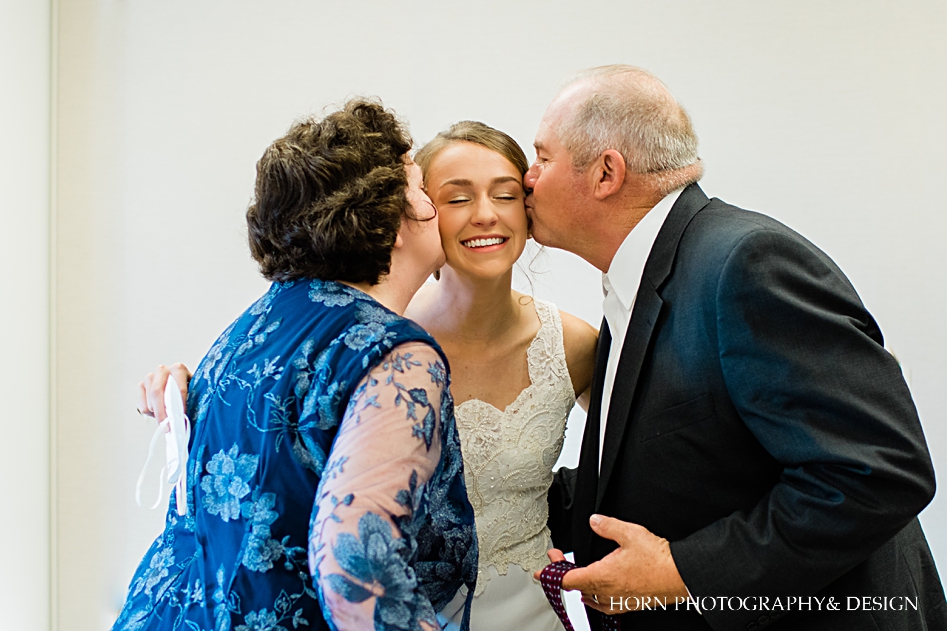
x=749 y=443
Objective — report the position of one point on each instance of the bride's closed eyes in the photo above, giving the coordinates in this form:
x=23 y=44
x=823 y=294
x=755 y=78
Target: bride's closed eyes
x=503 y=197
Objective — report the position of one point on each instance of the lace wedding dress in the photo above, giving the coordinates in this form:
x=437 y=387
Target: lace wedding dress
x=508 y=458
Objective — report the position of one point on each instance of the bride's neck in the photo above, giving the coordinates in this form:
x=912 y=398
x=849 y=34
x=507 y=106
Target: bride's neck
x=474 y=308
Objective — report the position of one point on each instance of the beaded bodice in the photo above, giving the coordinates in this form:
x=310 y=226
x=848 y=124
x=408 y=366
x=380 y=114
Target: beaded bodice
x=509 y=454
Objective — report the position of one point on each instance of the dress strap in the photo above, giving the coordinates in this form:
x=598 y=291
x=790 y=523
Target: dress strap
x=546 y=355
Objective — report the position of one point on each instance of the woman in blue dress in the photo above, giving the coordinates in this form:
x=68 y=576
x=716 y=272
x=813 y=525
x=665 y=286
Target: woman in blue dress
x=324 y=483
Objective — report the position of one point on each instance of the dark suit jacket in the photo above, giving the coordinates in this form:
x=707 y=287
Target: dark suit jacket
x=758 y=424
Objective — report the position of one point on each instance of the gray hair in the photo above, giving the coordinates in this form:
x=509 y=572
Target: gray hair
x=630 y=110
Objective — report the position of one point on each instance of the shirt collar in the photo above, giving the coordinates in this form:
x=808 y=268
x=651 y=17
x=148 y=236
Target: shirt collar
x=627 y=267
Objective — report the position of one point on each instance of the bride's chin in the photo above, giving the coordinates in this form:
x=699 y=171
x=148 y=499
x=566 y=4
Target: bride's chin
x=484 y=273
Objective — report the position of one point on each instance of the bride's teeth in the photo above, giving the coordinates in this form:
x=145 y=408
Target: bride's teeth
x=482 y=243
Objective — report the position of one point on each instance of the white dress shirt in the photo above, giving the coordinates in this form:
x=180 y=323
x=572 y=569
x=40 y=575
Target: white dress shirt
x=620 y=285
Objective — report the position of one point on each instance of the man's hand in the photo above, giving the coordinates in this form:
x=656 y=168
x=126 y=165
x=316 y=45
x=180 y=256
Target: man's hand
x=151 y=390
x=641 y=568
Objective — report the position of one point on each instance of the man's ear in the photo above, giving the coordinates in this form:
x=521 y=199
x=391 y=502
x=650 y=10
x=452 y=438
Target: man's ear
x=609 y=174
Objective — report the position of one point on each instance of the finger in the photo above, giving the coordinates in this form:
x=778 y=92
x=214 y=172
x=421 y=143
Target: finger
x=143 y=408
x=605 y=603
x=555 y=555
x=585 y=579
x=611 y=528
x=601 y=605
x=182 y=377
x=154 y=384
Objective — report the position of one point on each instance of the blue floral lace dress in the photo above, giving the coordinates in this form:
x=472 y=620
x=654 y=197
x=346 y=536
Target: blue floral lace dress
x=325 y=487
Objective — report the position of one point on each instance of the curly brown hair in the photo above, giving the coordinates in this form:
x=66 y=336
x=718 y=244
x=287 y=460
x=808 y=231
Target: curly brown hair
x=330 y=196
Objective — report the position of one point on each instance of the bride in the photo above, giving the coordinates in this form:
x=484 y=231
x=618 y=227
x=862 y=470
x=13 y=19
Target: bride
x=517 y=365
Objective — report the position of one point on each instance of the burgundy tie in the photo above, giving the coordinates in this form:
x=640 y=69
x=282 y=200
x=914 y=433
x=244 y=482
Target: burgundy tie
x=551 y=579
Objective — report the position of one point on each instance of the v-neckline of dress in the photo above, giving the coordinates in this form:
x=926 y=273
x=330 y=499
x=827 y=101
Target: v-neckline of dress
x=529 y=371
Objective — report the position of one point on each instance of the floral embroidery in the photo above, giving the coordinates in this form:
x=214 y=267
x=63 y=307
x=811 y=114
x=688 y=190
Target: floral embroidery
x=132 y=620
x=262 y=551
x=361 y=336
x=214 y=355
x=157 y=570
x=328 y=405
x=378 y=564
x=269 y=369
x=196 y=596
x=262 y=620
x=413 y=397
x=371 y=312
x=224 y=605
x=267 y=402
x=303 y=370
x=258 y=333
x=226 y=482
x=438 y=373
x=332 y=294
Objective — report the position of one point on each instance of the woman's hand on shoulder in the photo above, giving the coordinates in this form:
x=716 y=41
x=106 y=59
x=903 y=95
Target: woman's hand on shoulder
x=151 y=390
x=580 y=340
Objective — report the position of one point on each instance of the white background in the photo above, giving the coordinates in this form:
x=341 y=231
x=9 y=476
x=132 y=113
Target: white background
x=129 y=131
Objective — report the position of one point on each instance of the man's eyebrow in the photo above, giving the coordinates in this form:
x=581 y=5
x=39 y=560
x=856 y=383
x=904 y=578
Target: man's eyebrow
x=538 y=146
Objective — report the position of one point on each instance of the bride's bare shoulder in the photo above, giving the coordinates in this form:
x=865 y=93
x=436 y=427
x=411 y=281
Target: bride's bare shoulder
x=579 y=339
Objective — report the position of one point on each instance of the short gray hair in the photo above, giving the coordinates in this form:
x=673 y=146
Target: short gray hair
x=630 y=110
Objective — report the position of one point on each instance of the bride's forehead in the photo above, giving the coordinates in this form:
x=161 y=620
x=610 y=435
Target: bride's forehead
x=467 y=158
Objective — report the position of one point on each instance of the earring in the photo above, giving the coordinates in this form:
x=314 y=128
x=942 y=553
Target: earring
x=437 y=274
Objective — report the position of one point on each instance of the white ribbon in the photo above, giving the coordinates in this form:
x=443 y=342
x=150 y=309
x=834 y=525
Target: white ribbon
x=177 y=432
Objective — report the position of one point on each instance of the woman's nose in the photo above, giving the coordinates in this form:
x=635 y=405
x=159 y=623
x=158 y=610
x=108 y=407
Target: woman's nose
x=484 y=214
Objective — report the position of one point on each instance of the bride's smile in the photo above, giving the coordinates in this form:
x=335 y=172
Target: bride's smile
x=486 y=243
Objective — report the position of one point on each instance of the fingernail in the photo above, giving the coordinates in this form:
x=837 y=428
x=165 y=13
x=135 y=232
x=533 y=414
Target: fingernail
x=595 y=519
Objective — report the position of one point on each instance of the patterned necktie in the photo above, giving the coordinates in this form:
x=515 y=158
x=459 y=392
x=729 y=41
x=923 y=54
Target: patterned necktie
x=551 y=580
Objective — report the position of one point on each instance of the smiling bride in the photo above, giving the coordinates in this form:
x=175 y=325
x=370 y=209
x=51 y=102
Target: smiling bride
x=517 y=366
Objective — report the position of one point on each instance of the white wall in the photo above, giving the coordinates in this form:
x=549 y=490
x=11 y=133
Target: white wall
x=828 y=116
x=24 y=287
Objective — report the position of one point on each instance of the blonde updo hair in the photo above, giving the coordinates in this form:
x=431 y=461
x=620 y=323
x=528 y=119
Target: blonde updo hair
x=479 y=134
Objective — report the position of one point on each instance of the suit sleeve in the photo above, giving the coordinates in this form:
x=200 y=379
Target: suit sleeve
x=805 y=367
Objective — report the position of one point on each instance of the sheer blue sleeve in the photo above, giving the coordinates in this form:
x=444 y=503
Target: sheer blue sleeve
x=381 y=467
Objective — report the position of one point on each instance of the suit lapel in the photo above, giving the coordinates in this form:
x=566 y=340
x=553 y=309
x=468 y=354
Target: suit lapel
x=644 y=316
